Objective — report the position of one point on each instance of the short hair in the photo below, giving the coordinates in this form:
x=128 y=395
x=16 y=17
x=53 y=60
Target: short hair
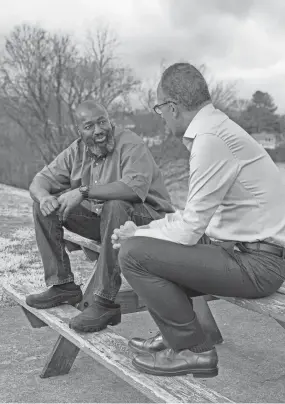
x=184 y=83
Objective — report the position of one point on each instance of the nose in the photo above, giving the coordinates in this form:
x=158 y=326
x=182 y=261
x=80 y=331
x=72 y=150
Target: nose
x=97 y=129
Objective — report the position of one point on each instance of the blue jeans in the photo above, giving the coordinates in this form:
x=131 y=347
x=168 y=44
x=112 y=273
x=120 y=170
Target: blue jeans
x=49 y=236
x=167 y=275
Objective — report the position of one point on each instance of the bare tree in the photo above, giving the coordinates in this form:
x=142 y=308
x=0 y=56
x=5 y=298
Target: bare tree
x=44 y=77
x=33 y=73
x=147 y=90
x=114 y=82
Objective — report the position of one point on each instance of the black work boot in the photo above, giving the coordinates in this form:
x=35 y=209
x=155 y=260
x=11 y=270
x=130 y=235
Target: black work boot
x=153 y=344
x=69 y=293
x=96 y=317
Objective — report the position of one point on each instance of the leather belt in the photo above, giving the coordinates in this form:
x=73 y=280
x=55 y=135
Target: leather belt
x=265 y=247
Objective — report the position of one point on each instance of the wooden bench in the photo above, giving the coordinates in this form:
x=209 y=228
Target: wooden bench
x=110 y=349
x=107 y=347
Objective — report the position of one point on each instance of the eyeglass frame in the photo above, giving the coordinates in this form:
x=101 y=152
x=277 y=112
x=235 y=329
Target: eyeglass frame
x=157 y=106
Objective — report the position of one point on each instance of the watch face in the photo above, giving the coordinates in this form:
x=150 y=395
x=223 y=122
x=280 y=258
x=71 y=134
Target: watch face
x=84 y=188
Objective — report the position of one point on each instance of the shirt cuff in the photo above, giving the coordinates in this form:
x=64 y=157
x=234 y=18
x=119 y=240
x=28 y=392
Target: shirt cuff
x=153 y=233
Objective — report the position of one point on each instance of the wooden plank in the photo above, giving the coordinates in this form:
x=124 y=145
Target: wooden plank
x=33 y=320
x=82 y=241
x=90 y=254
x=111 y=351
x=282 y=323
x=61 y=358
x=272 y=306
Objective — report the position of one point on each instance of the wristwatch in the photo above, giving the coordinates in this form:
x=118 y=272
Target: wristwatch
x=84 y=189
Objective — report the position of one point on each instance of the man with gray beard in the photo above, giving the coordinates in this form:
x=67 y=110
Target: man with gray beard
x=100 y=181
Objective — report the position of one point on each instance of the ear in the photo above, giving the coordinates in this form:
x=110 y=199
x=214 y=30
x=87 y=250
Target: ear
x=174 y=110
x=112 y=125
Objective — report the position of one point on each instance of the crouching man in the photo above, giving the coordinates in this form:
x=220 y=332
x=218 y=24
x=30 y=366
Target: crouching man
x=228 y=241
x=99 y=182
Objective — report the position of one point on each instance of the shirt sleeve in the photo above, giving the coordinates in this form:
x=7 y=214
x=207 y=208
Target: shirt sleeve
x=157 y=224
x=137 y=169
x=58 y=172
x=213 y=170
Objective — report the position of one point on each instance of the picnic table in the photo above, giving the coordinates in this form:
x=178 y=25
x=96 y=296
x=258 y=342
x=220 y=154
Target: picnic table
x=111 y=350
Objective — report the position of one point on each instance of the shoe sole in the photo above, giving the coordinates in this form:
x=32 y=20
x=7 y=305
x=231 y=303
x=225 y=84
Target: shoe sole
x=197 y=373
x=72 y=301
x=95 y=328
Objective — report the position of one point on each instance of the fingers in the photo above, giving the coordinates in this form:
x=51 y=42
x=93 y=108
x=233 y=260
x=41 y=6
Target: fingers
x=116 y=232
x=47 y=208
x=55 y=203
x=115 y=239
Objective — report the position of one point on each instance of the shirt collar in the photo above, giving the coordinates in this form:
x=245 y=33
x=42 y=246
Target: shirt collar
x=204 y=121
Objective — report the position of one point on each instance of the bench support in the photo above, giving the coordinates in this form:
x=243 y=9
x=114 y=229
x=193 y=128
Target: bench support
x=282 y=323
x=33 y=320
x=61 y=358
x=87 y=291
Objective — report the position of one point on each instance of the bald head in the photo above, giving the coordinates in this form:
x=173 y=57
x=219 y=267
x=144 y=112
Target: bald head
x=91 y=109
x=183 y=83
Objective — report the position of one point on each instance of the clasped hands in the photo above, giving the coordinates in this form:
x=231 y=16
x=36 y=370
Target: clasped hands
x=123 y=233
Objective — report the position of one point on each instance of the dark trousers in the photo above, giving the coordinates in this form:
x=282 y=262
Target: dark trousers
x=166 y=275
x=49 y=236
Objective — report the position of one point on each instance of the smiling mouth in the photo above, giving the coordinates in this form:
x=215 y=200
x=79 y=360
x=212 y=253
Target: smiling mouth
x=100 y=138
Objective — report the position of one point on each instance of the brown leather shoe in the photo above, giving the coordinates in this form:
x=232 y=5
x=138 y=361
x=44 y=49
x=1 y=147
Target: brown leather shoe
x=153 y=344
x=171 y=363
x=96 y=317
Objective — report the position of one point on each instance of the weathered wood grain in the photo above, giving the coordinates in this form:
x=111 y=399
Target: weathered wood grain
x=82 y=241
x=61 y=358
x=111 y=351
x=272 y=306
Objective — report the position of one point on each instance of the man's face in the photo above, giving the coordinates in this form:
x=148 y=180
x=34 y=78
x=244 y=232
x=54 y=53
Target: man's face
x=170 y=114
x=95 y=129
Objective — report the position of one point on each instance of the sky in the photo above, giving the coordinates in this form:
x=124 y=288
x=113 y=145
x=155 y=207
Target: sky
x=240 y=40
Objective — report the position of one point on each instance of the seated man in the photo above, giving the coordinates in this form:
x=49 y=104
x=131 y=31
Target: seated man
x=237 y=197
x=99 y=182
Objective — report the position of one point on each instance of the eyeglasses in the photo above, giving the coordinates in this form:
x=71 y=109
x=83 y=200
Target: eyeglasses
x=157 y=109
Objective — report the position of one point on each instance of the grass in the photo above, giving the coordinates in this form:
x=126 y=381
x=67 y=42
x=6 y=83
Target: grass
x=20 y=260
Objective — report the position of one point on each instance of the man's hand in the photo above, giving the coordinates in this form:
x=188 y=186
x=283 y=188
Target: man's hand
x=48 y=204
x=68 y=201
x=123 y=233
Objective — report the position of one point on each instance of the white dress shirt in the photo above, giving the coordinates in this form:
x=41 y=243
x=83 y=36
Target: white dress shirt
x=236 y=192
